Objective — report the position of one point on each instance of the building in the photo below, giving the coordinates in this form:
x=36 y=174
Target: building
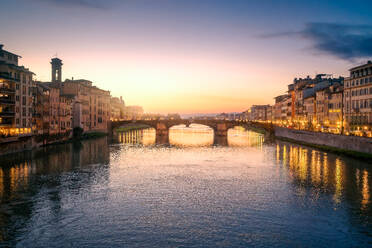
x=277 y=108
x=335 y=108
x=16 y=101
x=309 y=108
x=303 y=87
x=358 y=101
x=41 y=120
x=260 y=112
x=117 y=108
x=52 y=111
x=133 y=112
x=91 y=105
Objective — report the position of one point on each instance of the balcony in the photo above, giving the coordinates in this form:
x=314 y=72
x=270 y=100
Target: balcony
x=6 y=122
x=6 y=100
x=6 y=90
x=6 y=75
x=7 y=114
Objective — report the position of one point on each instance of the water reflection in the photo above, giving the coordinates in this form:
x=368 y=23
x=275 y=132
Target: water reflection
x=253 y=195
x=43 y=177
x=344 y=178
x=143 y=136
x=238 y=136
x=194 y=135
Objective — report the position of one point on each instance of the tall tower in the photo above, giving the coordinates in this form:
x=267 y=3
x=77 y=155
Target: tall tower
x=56 y=70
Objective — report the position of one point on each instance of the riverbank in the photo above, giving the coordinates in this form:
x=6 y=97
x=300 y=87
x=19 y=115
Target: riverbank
x=353 y=146
x=34 y=142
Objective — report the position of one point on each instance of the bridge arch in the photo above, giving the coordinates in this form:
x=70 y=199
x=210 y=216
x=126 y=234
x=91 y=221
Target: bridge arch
x=220 y=127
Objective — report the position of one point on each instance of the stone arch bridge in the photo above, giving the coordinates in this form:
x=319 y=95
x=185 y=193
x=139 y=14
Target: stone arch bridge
x=220 y=127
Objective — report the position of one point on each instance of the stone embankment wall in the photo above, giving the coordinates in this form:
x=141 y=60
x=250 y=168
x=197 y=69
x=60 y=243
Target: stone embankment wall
x=350 y=143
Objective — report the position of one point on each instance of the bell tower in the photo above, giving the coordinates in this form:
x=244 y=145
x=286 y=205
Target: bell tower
x=56 y=70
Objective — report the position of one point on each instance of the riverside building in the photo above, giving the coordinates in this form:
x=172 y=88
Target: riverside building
x=358 y=101
x=16 y=101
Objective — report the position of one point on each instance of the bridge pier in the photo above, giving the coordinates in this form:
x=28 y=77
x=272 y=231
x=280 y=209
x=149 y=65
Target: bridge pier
x=162 y=134
x=220 y=134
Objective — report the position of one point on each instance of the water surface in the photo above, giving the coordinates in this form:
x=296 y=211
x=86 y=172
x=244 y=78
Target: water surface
x=131 y=194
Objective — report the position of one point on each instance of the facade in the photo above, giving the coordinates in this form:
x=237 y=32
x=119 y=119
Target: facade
x=100 y=109
x=91 y=105
x=358 y=100
x=41 y=113
x=335 y=111
x=133 y=112
x=65 y=114
x=277 y=108
x=16 y=101
x=52 y=111
x=260 y=112
x=309 y=109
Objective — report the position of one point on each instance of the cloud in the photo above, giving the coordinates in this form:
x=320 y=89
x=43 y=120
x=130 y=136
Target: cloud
x=348 y=42
x=92 y=4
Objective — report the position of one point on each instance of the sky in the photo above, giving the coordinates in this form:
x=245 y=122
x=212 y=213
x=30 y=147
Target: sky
x=191 y=56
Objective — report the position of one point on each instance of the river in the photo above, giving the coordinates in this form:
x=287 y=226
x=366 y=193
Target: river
x=133 y=193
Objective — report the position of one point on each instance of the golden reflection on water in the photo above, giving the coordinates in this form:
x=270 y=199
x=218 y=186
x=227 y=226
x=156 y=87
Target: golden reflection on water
x=238 y=136
x=339 y=180
x=307 y=166
x=365 y=190
x=194 y=135
x=143 y=137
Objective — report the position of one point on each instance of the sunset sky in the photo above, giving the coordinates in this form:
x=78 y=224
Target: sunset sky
x=189 y=56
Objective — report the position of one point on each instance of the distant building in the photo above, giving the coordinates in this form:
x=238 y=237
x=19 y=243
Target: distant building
x=173 y=117
x=278 y=114
x=117 y=108
x=260 y=112
x=133 y=112
x=16 y=102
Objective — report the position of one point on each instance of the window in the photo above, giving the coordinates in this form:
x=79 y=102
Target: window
x=17 y=98
x=23 y=100
x=17 y=120
x=24 y=122
x=17 y=86
x=17 y=109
